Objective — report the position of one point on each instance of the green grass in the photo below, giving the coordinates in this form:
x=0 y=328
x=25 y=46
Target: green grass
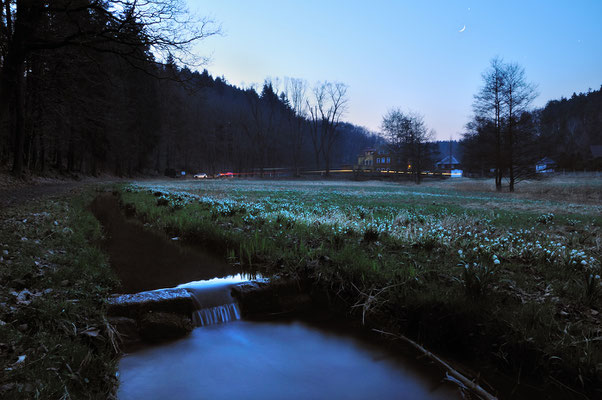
x=392 y=255
x=58 y=330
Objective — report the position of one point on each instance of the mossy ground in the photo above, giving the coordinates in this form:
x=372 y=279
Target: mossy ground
x=55 y=342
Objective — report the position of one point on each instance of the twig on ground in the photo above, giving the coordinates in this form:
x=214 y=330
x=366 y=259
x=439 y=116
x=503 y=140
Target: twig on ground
x=371 y=299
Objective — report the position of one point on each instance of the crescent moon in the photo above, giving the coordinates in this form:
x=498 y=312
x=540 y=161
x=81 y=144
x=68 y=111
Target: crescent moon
x=463 y=29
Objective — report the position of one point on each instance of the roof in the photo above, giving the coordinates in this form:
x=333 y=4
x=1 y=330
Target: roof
x=546 y=160
x=596 y=150
x=383 y=147
x=447 y=159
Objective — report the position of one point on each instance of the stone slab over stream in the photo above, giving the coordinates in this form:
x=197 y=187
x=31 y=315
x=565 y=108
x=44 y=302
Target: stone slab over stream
x=176 y=301
x=152 y=316
x=135 y=315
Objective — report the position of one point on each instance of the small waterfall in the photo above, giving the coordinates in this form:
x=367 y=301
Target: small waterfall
x=213 y=300
x=216 y=315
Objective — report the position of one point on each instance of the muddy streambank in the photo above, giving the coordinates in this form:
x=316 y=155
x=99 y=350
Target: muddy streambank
x=145 y=260
x=448 y=332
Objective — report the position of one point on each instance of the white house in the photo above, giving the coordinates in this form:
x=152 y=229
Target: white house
x=447 y=163
x=545 y=166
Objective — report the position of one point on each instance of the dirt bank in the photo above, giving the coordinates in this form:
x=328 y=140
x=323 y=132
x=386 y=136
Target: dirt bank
x=145 y=260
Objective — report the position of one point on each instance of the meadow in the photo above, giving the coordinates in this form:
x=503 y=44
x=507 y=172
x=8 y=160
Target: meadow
x=500 y=281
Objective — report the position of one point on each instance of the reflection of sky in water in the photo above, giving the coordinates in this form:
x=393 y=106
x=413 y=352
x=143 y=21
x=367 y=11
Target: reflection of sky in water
x=270 y=361
x=211 y=293
x=228 y=280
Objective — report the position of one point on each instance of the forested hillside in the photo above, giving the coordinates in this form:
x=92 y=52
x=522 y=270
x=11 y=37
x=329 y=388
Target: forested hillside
x=569 y=127
x=98 y=86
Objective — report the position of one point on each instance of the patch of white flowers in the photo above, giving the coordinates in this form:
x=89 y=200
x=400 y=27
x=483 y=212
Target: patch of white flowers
x=331 y=210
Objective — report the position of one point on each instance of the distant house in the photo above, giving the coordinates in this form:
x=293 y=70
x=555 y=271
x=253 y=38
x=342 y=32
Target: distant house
x=383 y=159
x=374 y=160
x=365 y=161
x=545 y=166
x=447 y=164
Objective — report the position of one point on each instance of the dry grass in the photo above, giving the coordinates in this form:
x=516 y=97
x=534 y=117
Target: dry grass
x=576 y=194
x=586 y=188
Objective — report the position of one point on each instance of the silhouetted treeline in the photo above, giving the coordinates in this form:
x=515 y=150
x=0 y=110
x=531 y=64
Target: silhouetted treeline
x=564 y=131
x=212 y=126
x=569 y=127
x=82 y=91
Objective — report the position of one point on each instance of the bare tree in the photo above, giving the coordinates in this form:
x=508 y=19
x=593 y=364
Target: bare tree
x=409 y=138
x=488 y=105
x=296 y=93
x=314 y=127
x=517 y=96
x=502 y=100
x=330 y=104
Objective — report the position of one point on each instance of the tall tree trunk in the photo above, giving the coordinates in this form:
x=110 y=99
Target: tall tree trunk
x=511 y=155
x=498 y=158
x=12 y=74
x=42 y=155
x=71 y=152
x=317 y=155
x=18 y=132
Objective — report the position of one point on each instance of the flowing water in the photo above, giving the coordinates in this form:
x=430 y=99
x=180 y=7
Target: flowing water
x=213 y=300
x=227 y=358
x=259 y=360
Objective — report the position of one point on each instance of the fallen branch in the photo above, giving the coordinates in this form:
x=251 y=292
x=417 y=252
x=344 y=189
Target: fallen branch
x=473 y=386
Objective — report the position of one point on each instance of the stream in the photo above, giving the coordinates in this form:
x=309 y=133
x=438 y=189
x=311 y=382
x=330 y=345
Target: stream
x=272 y=360
x=225 y=357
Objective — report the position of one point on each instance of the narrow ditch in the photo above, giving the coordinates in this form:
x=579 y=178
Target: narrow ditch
x=146 y=260
x=194 y=327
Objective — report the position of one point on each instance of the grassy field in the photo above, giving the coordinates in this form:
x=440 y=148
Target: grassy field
x=55 y=342
x=504 y=281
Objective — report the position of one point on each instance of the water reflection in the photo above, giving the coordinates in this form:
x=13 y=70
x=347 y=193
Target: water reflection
x=145 y=260
x=254 y=360
x=226 y=280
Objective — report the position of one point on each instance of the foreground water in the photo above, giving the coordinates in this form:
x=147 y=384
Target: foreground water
x=258 y=360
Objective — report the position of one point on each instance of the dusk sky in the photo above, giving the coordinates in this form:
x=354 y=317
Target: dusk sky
x=407 y=54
